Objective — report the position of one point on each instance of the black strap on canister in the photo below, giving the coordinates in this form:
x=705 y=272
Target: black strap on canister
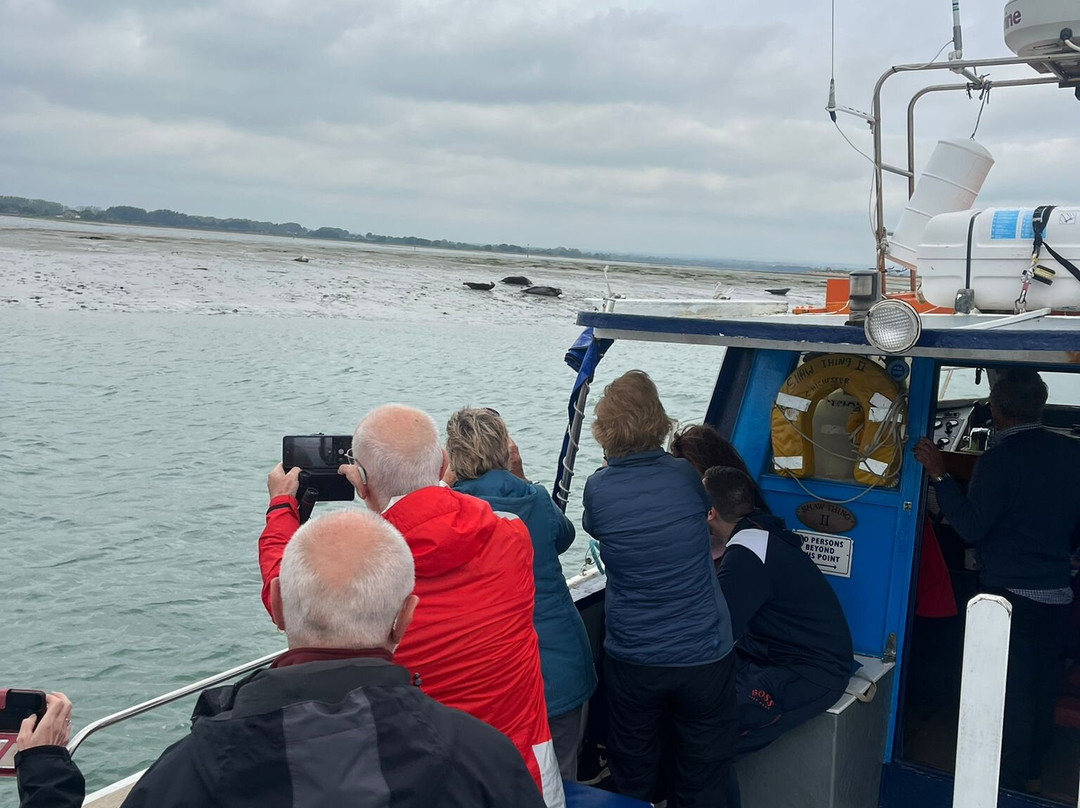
x=967 y=263
x=1039 y=219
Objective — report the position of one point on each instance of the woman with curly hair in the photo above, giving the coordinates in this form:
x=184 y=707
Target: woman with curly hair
x=484 y=463
x=668 y=666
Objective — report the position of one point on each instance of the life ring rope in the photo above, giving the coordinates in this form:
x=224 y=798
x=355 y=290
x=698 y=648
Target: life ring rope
x=889 y=434
x=878 y=438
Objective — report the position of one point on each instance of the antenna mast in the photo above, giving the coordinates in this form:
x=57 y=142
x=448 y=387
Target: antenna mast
x=957 y=33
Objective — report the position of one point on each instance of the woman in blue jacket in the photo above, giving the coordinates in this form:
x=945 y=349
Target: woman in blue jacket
x=667 y=647
x=480 y=461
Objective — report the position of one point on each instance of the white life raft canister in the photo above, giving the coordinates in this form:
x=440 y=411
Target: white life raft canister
x=989 y=251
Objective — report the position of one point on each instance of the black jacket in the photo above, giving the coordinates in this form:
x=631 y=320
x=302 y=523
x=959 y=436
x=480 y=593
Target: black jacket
x=1021 y=509
x=48 y=778
x=329 y=733
x=783 y=611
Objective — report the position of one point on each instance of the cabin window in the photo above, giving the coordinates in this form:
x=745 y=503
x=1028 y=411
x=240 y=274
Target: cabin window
x=956 y=382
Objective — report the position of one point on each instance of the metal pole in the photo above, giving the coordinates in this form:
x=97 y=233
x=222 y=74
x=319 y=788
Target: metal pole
x=879 y=201
x=573 y=431
x=172 y=696
x=961 y=66
x=940 y=88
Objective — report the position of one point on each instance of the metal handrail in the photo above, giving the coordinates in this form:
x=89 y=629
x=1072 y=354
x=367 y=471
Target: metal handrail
x=964 y=68
x=939 y=88
x=168 y=698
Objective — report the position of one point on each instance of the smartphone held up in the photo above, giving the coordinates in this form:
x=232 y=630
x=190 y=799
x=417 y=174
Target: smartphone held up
x=318 y=457
x=15 y=707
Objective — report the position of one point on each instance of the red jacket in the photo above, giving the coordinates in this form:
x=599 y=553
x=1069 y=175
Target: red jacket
x=472 y=639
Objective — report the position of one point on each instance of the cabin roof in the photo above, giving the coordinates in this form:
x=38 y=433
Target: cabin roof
x=955 y=337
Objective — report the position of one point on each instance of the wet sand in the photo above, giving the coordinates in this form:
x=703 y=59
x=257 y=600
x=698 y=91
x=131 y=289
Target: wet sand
x=65 y=265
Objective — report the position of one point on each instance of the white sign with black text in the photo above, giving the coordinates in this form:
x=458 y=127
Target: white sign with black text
x=832 y=554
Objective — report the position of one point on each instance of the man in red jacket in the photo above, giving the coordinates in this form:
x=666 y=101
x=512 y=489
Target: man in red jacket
x=471 y=640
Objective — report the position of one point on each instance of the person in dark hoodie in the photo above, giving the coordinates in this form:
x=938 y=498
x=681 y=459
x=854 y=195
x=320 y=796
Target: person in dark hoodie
x=792 y=643
x=333 y=721
x=472 y=640
x=482 y=464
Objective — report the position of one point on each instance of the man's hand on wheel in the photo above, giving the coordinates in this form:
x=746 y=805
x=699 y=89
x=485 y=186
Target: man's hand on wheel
x=930 y=457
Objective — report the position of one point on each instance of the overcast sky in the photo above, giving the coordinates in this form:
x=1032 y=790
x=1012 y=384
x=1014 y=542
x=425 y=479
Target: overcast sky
x=691 y=127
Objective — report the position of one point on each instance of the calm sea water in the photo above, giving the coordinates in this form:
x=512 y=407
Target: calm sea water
x=133 y=454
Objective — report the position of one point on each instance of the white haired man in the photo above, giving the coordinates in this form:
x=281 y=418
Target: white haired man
x=472 y=642
x=333 y=721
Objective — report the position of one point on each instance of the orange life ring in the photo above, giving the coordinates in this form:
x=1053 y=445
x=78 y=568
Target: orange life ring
x=808 y=384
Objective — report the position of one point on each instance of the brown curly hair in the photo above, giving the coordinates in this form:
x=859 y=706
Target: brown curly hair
x=630 y=417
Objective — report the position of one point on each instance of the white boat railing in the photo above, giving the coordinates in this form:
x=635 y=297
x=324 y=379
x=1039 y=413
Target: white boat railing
x=169 y=697
x=982 y=702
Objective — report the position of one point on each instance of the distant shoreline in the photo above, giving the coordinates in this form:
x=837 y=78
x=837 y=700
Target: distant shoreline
x=124 y=215
x=622 y=262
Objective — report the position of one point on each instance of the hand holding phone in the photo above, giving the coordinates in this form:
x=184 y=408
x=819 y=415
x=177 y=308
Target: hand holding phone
x=281 y=483
x=52 y=729
x=17 y=707
x=318 y=457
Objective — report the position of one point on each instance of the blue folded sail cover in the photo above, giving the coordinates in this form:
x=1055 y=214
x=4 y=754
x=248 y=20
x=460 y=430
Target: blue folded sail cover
x=582 y=349
x=584 y=355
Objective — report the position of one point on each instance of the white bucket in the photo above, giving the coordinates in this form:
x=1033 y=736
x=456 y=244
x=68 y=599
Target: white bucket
x=952 y=179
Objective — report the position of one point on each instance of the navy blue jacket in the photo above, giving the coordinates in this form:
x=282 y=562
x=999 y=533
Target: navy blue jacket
x=1020 y=510
x=565 y=654
x=783 y=611
x=663 y=602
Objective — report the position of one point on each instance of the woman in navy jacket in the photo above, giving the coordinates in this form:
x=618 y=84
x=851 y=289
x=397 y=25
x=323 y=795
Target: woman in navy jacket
x=668 y=660
x=480 y=460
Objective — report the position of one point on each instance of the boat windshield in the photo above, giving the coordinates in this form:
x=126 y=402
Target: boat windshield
x=973 y=383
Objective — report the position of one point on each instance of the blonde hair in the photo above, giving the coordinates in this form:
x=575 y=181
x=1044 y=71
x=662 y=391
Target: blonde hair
x=630 y=417
x=477 y=442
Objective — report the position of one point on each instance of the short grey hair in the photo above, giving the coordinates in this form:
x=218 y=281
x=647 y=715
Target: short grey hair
x=1019 y=393
x=360 y=612
x=392 y=472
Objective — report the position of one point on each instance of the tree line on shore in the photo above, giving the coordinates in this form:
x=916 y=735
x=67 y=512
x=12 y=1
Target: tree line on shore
x=126 y=214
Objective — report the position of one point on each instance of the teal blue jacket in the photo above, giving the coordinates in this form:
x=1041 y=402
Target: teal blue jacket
x=565 y=655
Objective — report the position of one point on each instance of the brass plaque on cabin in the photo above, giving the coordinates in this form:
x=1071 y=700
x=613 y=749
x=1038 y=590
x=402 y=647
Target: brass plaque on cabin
x=825 y=516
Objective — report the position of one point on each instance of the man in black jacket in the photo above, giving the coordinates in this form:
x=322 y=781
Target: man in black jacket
x=792 y=642
x=333 y=721
x=1020 y=513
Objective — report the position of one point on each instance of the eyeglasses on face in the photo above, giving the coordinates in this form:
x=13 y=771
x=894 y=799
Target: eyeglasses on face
x=363 y=472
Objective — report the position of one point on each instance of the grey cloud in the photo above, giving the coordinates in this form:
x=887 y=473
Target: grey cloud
x=684 y=126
